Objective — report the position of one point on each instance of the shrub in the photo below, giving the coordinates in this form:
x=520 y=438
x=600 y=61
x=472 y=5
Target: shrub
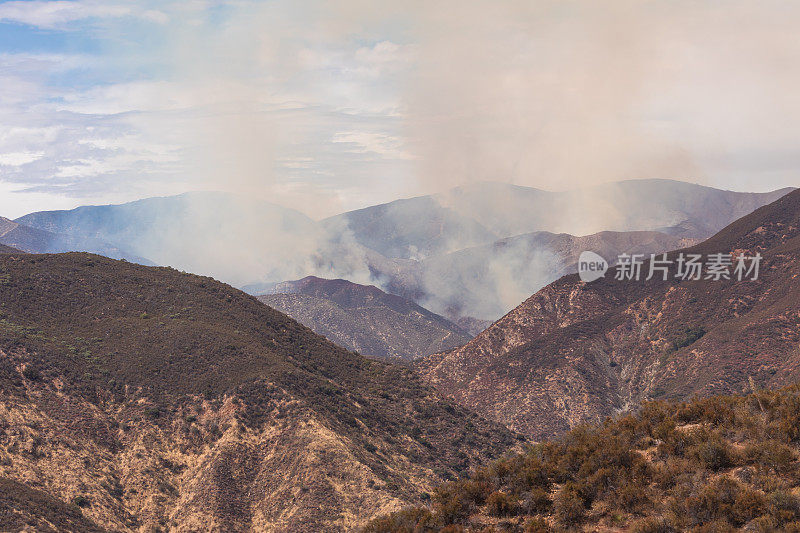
x=783 y=506
x=771 y=454
x=536 y=525
x=631 y=497
x=688 y=337
x=501 y=504
x=717 y=526
x=724 y=499
x=31 y=374
x=405 y=521
x=714 y=454
x=569 y=507
x=676 y=444
x=81 y=501
x=536 y=501
x=653 y=525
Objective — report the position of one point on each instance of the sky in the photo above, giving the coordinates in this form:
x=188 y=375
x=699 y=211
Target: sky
x=331 y=106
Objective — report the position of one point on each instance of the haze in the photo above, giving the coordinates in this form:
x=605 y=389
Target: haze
x=330 y=107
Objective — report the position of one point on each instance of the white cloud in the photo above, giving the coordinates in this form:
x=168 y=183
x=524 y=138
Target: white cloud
x=363 y=142
x=282 y=95
x=50 y=15
x=16 y=159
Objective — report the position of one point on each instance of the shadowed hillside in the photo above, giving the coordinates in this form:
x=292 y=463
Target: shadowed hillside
x=9 y=250
x=150 y=399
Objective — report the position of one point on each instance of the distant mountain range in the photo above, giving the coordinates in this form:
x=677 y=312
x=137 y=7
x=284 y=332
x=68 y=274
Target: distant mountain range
x=485 y=212
x=470 y=254
x=33 y=240
x=228 y=237
x=365 y=319
x=490 y=279
x=137 y=398
x=576 y=352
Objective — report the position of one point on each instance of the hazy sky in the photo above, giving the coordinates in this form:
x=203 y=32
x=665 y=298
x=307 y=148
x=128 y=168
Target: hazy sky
x=327 y=106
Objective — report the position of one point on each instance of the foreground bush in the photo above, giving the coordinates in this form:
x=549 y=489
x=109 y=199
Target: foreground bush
x=721 y=464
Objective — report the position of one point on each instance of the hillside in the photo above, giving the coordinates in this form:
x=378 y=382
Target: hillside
x=9 y=250
x=488 y=280
x=34 y=240
x=576 y=352
x=143 y=398
x=484 y=212
x=232 y=238
x=724 y=464
x=365 y=319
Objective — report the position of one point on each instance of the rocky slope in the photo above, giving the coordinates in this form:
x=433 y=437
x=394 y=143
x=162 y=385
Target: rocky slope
x=365 y=319
x=576 y=352
x=136 y=398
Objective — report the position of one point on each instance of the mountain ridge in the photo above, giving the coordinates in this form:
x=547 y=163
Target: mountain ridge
x=364 y=318
x=576 y=352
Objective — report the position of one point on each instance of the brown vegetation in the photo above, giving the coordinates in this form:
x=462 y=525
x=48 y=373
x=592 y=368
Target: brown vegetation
x=725 y=463
x=129 y=368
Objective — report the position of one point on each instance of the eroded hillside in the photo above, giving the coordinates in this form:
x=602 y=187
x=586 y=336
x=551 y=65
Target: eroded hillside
x=148 y=398
x=577 y=352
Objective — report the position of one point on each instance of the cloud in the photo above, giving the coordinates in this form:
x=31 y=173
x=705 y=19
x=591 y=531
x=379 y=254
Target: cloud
x=372 y=143
x=327 y=100
x=51 y=15
x=17 y=159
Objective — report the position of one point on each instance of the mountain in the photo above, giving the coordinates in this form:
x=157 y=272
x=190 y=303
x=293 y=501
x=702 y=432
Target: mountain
x=34 y=240
x=474 y=252
x=576 y=352
x=485 y=212
x=487 y=280
x=141 y=398
x=403 y=247
x=412 y=228
x=230 y=237
x=9 y=250
x=726 y=463
x=364 y=318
